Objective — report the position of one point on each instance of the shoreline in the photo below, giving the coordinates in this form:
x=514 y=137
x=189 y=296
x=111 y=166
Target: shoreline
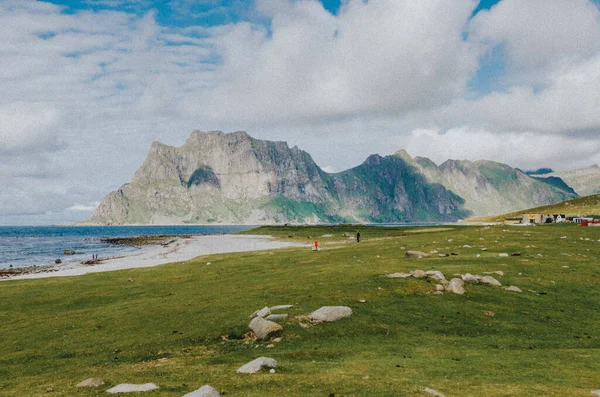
x=178 y=250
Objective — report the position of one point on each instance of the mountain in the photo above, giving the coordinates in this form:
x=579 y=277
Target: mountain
x=539 y=171
x=585 y=181
x=233 y=178
x=488 y=187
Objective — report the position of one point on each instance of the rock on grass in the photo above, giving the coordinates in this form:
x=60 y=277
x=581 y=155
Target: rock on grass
x=330 y=313
x=91 y=382
x=130 y=388
x=257 y=365
x=204 y=391
x=263 y=328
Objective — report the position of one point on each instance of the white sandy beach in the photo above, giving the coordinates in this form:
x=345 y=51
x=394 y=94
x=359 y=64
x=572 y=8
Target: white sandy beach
x=182 y=249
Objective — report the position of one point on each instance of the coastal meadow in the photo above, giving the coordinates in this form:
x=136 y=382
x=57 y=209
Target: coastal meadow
x=184 y=325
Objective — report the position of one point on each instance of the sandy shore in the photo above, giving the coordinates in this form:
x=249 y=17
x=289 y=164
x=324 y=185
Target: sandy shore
x=182 y=249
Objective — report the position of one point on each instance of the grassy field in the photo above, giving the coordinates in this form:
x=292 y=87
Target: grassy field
x=582 y=206
x=181 y=325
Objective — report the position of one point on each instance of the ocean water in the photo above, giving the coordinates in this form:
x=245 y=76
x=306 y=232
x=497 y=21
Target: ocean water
x=22 y=246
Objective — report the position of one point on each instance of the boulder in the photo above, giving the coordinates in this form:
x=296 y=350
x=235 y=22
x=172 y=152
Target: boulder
x=419 y=274
x=399 y=275
x=435 y=274
x=275 y=317
x=456 y=286
x=130 y=388
x=91 y=382
x=469 y=278
x=490 y=280
x=263 y=328
x=330 y=313
x=257 y=365
x=439 y=287
x=415 y=254
x=204 y=391
x=513 y=288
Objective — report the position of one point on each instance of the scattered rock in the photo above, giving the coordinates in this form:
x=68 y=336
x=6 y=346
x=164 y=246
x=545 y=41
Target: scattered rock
x=435 y=274
x=564 y=237
x=484 y=249
x=362 y=301
x=467 y=246
x=330 y=313
x=418 y=274
x=415 y=254
x=513 y=288
x=399 y=275
x=443 y=255
x=257 y=365
x=490 y=280
x=565 y=267
x=433 y=252
x=275 y=317
x=277 y=340
x=453 y=254
x=204 y=391
x=68 y=252
x=129 y=388
x=456 y=286
x=469 y=278
x=263 y=328
x=280 y=307
x=499 y=273
x=58 y=261
x=478 y=256
x=516 y=254
x=596 y=392
x=263 y=312
x=433 y=392
x=130 y=280
x=91 y=382
x=503 y=254
x=439 y=287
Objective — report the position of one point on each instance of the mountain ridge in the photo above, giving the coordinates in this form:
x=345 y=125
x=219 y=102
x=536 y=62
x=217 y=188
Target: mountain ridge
x=217 y=177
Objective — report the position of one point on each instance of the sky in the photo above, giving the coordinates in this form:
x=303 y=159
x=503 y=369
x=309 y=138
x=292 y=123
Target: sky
x=86 y=86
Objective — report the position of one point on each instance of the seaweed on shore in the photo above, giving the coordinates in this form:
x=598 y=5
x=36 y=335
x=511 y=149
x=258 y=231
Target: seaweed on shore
x=138 y=241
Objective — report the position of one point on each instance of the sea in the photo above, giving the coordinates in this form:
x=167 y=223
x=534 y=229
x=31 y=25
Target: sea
x=22 y=246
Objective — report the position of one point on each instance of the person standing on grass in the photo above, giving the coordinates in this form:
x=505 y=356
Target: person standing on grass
x=358 y=237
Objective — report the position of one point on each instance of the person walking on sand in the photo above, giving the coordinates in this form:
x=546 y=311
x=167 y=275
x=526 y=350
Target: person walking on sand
x=358 y=237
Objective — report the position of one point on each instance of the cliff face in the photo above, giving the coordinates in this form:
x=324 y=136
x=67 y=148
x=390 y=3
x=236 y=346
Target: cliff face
x=585 y=181
x=487 y=187
x=233 y=178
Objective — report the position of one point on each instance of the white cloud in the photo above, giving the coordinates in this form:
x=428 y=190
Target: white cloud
x=85 y=93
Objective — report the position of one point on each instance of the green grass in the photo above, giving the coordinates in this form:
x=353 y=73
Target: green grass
x=582 y=206
x=181 y=325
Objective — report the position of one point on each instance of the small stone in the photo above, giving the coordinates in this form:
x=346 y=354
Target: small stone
x=204 y=391
x=275 y=317
x=513 y=289
x=433 y=252
x=443 y=255
x=435 y=274
x=418 y=274
x=270 y=346
x=450 y=240
x=207 y=263
x=484 y=249
x=499 y=273
x=503 y=254
x=58 y=261
x=272 y=371
x=564 y=237
x=490 y=280
x=130 y=280
x=330 y=313
x=91 y=382
x=257 y=365
x=515 y=254
x=399 y=275
x=265 y=311
x=456 y=286
x=280 y=307
x=565 y=267
x=467 y=246
x=362 y=300
x=478 y=256
x=415 y=254
x=130 y=388
x=433 y=392
x=453 y=254
x=263 y=328
x=596 y=392
x=470 y=279
x=439 y=287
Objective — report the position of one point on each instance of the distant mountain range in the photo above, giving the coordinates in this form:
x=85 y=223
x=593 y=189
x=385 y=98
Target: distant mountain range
x=233 y=178
x=584 y=181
